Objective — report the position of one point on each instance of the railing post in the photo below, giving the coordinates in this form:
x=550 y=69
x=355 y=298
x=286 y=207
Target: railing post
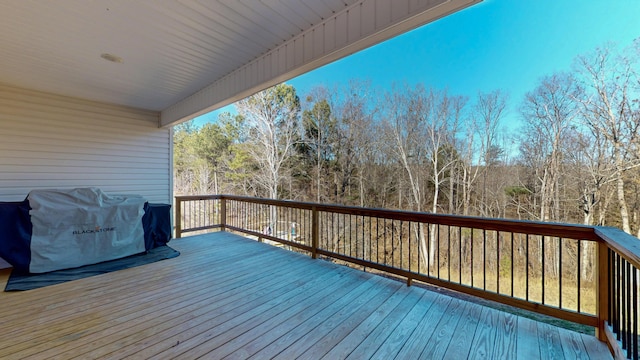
x=223 y=213
x=315 y=232
x=178 y=219
x=602 y=288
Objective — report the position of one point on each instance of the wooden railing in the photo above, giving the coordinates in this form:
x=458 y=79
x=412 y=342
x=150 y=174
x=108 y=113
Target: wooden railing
x=582 y=274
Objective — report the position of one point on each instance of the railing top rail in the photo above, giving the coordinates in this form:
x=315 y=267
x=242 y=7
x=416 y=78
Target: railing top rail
x=570 y=231
x=622 y=243
x=197 y=197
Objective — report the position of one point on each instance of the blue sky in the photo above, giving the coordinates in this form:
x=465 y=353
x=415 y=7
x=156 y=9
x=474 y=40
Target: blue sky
x=497 y=44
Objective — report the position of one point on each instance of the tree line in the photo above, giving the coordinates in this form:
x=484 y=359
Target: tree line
x=575 y=159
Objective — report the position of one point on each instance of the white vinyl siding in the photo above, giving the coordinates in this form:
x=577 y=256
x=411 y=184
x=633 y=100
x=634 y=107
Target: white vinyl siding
x=51 y=141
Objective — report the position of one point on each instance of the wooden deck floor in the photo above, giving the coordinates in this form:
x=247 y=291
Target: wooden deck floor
x=229 y=297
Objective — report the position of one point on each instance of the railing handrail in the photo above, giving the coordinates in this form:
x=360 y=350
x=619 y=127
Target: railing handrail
x=575 y=231
x=619 y=241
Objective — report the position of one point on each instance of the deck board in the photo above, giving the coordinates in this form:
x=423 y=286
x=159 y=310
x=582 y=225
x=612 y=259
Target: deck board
x=199 y=311
x=229 y=297
x=573 y=347
x=506 y=336
x=527 y=340
x=387 y=326
x=465 y=332
x=392 y=345
x=550 y=345
x=485 y=336
x=359 y=326
x=270 y=347
x=416 y=343
x=342 y=321
x=437 y=344
x=136 y=305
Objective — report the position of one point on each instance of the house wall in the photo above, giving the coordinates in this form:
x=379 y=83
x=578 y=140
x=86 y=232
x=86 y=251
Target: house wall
x=51 y=141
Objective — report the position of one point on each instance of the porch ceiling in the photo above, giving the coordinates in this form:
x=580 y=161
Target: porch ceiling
x=186 y=57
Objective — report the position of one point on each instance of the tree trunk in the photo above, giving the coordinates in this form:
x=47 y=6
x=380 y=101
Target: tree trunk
x=622 y=201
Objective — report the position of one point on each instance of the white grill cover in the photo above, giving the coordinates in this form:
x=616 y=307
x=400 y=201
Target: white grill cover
x=83 y=226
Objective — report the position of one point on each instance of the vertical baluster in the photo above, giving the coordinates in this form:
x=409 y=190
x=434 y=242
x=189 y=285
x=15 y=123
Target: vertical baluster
x=362 y=237
x=613 y=317
x=484 y=259
x=324 y=230
x=337 y=228
x=543 y=267
x=459 y=255
x=378 y=240
x=626 y=304
x=409 y=242
x=471 y=253
x=363 y=242
x=384 y=240
x=401 y=247
x=370 y=231
x=449 y=252
x=438 y=249
x=322 y=216
x=579 y=275
x=634 y=301
x=526 y=277
x=512 y=265
x=628 y=299
x=560 y=273
x=347 y=235
x=344 y=234
x=428 y=241
x=393 y=239
x=327 y=231
x=618 y=299
x=625 y=314
x=498 y=262
x=351 y=235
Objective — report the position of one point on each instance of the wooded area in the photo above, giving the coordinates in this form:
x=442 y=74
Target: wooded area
x=575 y=159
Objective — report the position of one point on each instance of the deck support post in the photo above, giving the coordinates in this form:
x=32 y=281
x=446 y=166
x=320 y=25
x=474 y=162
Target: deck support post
x=602 y=295
x=315 y=232
x=223 y=213
x=178 y=219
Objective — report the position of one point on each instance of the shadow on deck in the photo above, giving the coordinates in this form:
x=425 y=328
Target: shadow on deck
x=230 y=297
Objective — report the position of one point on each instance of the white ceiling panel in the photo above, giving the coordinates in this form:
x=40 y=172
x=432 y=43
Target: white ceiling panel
x=170 y=49
x=175 y=51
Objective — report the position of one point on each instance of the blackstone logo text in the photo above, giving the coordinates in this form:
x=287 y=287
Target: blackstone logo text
x=97 y=230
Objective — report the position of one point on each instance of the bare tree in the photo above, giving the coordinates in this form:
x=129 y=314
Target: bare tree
x=549 y=113
x=357 y=128
x=272 y=123
x=487 y=114
x=420 y=124
x=319 y=128
x=609 y=82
